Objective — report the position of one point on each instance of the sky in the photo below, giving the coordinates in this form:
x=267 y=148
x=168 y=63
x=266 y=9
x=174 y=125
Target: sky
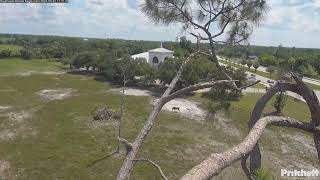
x=288 y=22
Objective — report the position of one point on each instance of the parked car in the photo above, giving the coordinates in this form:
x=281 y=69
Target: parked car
x=270 y=82
x=253 y=75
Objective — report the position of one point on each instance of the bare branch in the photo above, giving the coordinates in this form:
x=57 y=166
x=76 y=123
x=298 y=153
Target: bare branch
x=292 y=123
x=126 y=143
x=313 y=104
x=117 y=151
x=244 y=87
x=214 y=164
x=155 y=165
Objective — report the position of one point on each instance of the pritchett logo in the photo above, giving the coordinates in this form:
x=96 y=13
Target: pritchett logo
x=300 y=173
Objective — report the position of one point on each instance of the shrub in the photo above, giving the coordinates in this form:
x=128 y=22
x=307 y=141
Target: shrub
x=26 y=54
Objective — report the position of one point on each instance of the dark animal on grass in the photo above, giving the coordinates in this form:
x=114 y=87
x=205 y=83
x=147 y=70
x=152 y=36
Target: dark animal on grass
x=175 y=109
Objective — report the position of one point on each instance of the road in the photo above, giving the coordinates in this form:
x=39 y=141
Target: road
x=264 y=69
x=265 y=80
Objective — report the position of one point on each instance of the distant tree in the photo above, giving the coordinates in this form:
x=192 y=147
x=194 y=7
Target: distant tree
x=5 y=53
x=256 y=65
x=279 y=102
x=249 y=64
x=54 y=50
x=185 y=43
x=281 y=53
x=67 y=61
x=271 y=70
x=243 y=62
x=268 y=60
x=308 y=70
x=291 y=62
x=26 y=54
x=85 y=60
x=167 y=70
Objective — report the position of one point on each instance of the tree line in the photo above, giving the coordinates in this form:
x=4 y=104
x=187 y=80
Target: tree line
x=305 y=61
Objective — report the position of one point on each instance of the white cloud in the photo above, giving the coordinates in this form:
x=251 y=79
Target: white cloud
x=117 y=19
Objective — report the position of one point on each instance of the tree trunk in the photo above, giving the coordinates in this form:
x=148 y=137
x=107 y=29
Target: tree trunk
x=213 y=165
x=299 y=88
x=129 y=162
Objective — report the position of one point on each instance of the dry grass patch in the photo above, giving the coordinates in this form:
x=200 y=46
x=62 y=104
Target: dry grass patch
x=55 y=94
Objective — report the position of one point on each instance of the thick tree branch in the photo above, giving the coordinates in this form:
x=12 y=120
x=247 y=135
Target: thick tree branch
x=213 y=165
x=128 y=163
x=244 y=87
x=313 y=104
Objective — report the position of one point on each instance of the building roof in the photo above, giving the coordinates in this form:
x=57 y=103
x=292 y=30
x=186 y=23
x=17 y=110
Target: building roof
x=141 y=55
x=160 y=50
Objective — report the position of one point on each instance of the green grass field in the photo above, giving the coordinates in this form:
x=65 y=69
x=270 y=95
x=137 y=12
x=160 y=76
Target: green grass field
x=58 y=139
x=17 y=66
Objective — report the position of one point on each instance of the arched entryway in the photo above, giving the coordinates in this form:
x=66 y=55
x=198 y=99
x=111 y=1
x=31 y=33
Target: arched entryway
x=155 y=60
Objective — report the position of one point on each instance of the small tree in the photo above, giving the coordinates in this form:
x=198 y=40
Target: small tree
x=243 y=62
x=185 y=43
x=308 y=70
x=249 y=64
x=280 y=102
x=26 y=54
x=5 y=53
x=271 y=70
x=291 y=62
x=256 y=65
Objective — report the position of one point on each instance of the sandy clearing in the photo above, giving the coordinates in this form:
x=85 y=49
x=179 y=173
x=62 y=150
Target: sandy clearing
x=18 y=116
x=187 y=108
x=4 y=168
x=55 y=94
x=4 y=108
x=7 y=135
x=134 y=92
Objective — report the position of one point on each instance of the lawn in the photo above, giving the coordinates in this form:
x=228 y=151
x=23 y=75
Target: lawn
x=259 y=86
x=57 y=139
x=17 y=66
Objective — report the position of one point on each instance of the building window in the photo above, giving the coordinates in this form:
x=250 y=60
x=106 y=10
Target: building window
x=155 y=60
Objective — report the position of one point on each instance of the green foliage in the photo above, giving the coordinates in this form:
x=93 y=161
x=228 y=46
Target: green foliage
x=268 y=60
x=243 y=62
x=116 y=70
x=85 y=60
x=54 y=50
x=279 y=102
x=291 y=62
x=263 y=174
x=168 y=69
x=26 y=54
x=249 y=64
x=308 y=70
x=197 y=70
x=271 y=69
x=5 y=53
x=240 y=19
x=256 y=65
x=185 y=43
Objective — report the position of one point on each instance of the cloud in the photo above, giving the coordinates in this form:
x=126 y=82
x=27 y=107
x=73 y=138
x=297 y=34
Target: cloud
x=123 y=19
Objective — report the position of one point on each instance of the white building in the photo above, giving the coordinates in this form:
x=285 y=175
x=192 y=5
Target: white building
x=155 y=56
